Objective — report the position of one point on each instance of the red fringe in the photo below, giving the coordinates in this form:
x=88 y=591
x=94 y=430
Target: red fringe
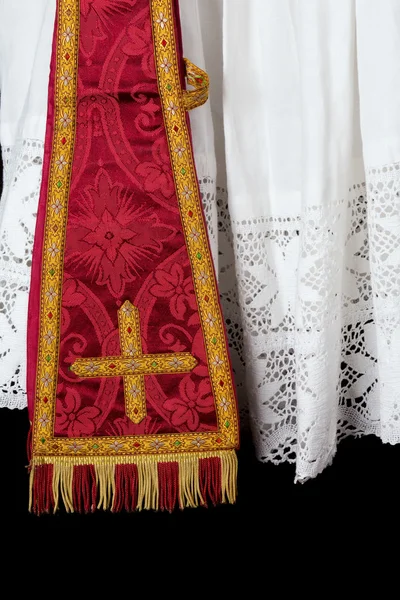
x=126 y=485
x=84 y=489
x=29 y=444
x=168 y=483
x=210 y=479
x=43 y=499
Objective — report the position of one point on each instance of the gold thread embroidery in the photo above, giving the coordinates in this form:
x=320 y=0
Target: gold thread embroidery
x=133 y=365
x=44 y=442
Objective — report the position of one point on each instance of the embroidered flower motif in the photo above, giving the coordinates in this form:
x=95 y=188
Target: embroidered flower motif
x=192 y=401
x=73 y=419
x=211 y=320
x=179 y=150
x=175 y=363
x=217 y=362
x=116 y=446
x=44 y=419
x=198 y=442
x=162 y=20
x=68 y=34
x=187 y=192
x=92 y=368
x=53 y=250
x=57 y=206
x=203 y=277
x=75 y=447
x=194 y=235
x=131 y=350
x=66 y=77
x=113 y=239
x=157 y=444
x=134 y=391
x=166 y=65
x=133 y=365
x=174 y=286
x=51 y=294
x=61 y=162
x=47 y=379
x=65 y=120
x=224 y=404
x=127 y=309
x=172 y=108
x=49 y=337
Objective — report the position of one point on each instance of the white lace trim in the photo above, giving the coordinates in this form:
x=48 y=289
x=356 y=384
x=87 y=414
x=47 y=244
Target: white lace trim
x=312 y=305
x=18 y=208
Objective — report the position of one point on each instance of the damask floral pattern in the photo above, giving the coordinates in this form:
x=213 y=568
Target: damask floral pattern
x=74 y=419
x=177 y=288
x=193 y=400
x=96 y=15
x=112 y=236
x=157 y=173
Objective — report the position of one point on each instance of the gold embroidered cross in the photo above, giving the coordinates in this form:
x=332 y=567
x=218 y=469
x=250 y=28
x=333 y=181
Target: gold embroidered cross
x=133 y=365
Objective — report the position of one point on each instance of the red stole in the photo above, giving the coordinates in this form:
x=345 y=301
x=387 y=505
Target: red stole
x=130 y=386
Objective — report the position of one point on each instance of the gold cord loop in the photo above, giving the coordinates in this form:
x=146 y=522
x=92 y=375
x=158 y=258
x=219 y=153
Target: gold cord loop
x=198 y=79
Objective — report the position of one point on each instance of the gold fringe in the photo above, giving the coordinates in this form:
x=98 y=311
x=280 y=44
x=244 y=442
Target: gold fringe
x=66 y=473
x=56 y=485
x=148 y=486
x=148 y=495
x=189 y=485
x=229 y=467
x=31 y=480
x=105 y=481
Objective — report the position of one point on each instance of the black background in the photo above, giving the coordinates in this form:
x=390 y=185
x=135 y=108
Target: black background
x=359 y=492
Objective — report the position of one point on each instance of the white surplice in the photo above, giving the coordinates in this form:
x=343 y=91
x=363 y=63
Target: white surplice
x=26 y=31
x=311 y=237
x=305 y=100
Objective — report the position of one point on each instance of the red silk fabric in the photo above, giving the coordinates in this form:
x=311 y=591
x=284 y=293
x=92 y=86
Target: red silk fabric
x=124 y=238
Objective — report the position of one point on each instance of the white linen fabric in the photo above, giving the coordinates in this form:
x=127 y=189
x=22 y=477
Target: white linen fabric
x=305 y=101
x=26 y=30
x=310 y=233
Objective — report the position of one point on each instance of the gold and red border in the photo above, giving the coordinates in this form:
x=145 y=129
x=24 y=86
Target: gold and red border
x=45 y=445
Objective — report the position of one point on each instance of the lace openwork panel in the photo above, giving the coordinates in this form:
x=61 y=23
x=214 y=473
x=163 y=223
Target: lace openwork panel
x=22 y=172
x=312 y=305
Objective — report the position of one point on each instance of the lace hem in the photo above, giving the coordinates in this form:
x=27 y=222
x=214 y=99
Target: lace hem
x=22 y=174
x=312 y=304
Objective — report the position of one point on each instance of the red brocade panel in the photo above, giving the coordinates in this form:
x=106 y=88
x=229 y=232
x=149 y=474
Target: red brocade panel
x=125 y=238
